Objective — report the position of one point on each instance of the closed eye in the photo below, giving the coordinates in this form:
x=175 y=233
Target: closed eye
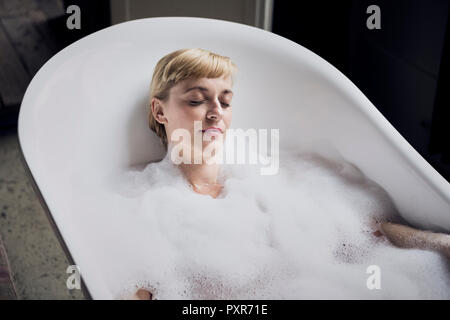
x=197 y=103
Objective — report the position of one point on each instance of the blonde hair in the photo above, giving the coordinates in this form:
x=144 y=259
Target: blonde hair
x=181 y=65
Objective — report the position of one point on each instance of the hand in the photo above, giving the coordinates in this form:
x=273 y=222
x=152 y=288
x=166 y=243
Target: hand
x=142 y=294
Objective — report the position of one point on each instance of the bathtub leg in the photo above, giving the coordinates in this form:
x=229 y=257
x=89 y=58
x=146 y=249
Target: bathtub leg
x=407 y=237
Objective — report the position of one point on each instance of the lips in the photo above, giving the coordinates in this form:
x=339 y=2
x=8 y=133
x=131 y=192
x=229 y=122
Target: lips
x=213 y=130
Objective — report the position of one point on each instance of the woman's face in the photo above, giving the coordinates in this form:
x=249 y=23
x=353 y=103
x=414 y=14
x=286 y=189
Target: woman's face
x=207 y=100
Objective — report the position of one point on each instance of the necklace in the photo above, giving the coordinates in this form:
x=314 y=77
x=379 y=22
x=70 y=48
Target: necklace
x=203 y=185
x=197 y=185
x=212 y=191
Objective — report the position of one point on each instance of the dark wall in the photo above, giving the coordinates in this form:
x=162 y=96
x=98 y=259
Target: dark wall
x=31 y=32
x=95 y=15
x=321 y=26
x=399 y=67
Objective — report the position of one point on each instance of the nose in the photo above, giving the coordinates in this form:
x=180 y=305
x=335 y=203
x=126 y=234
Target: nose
x=215 y=112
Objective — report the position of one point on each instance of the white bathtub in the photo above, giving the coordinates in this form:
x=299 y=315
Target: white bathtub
x=84 y=116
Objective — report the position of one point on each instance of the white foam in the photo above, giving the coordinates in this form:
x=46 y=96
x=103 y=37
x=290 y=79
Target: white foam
x=303 y=233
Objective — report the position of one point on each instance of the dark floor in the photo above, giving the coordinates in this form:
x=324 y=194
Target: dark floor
x=7 y=288
x=37 y=260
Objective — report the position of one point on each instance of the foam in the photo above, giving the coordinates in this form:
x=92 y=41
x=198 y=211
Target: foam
x=303 y=233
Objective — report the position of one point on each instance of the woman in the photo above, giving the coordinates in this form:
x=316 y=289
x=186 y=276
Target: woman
x=191 y=85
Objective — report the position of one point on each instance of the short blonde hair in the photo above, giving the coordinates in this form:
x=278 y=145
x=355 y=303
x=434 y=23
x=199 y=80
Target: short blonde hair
x=181 y=65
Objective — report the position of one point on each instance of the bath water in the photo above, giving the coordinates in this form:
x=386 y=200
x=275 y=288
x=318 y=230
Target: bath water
x=307 y=232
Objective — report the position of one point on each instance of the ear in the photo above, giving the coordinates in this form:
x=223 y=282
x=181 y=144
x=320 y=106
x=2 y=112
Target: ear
x=158 y=111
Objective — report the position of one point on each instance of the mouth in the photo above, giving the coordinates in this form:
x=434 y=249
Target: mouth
x=213 y=131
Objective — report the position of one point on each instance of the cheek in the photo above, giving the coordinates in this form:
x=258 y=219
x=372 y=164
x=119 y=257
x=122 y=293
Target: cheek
x=227 y=118
x=191 y=114
x=186 y=116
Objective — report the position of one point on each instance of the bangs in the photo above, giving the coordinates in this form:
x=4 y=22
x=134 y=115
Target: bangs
x=198 y=63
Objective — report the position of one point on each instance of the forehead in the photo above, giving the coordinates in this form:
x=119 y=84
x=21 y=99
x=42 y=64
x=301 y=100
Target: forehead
x=207 y=85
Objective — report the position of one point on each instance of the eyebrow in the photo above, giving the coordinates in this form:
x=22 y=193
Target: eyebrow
x=206 y=89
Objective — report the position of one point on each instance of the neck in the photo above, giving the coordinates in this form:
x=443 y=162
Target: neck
x=199 y=174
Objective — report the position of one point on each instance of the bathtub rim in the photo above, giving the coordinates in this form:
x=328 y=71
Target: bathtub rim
x=433 y=178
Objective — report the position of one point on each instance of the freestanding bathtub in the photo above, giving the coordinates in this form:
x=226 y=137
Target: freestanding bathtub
x=84 y=116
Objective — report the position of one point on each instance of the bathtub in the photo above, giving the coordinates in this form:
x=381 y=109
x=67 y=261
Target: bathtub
x=83 y=117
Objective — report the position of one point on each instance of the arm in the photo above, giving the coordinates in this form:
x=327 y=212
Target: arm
x=407 y=237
